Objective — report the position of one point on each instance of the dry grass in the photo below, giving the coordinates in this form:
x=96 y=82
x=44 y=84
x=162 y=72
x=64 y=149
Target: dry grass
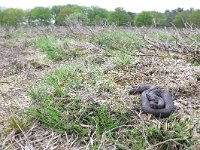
x=22 y=65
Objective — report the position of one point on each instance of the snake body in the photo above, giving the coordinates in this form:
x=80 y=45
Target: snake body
x=154 y=100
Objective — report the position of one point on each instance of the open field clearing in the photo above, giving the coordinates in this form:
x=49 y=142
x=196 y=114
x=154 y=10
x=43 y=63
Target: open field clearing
x=68 y=87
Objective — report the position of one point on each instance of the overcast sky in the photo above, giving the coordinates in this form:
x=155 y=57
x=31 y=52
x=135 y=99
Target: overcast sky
x=128 y=5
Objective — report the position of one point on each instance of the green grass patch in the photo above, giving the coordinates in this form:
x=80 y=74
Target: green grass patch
x=116 y=40
x=144 y=136
x=52 y=47
x=121 y=59
x=62 y=111
x=57 y=49
x=194 y=61
x=162 y=37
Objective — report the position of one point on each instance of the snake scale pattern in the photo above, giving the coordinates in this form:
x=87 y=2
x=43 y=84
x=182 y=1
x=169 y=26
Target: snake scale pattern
x=154 y=100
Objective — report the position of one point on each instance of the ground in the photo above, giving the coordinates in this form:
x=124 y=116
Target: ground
x=96 y=67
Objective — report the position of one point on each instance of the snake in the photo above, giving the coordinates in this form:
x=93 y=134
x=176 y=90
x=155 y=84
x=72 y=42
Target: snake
x=154 y=100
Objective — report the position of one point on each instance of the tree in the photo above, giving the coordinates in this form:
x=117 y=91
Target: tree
x=144 y=19
x=39 y=16
x=181 y=18
x=62 y=15
x=97 y=15
x=171 y=14
x=159 y=19
x=66 y=11
x=120 y=17
x=194 y=18
x=12 y=17
x=55 y=10
x=1 y=17
x=132 y=15
x=77 y=18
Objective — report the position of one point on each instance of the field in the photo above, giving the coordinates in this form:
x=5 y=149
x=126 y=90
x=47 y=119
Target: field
x=67 y=87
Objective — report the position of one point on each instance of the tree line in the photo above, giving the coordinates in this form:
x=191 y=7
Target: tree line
x=67 y=14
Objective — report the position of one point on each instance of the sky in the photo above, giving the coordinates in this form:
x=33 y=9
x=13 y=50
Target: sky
x=128 y=5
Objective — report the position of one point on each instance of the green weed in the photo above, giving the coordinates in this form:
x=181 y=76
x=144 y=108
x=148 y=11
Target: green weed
x=19 y=125
x=117 y=40
x=142 y=137
x=162 y=37
x=52 y=47
x=60 y=110
x=122 y=59
x=194 y=61
x=105 y=85
x=55 y=49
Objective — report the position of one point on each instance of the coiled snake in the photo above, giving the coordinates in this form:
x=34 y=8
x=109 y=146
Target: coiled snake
x=154 y=100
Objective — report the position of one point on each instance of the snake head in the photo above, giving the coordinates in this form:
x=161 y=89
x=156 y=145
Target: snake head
x=155 y=101
x=152 y=97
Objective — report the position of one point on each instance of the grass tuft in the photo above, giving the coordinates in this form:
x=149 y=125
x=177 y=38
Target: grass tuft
x=19 y=125
x=122 y=59
x=117 y=39
x=63 y=111
x=52 y=47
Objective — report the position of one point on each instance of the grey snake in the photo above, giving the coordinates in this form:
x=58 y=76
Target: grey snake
x=154 y=100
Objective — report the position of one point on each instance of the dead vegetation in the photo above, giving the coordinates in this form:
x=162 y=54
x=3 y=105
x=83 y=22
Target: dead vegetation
x=107 y=62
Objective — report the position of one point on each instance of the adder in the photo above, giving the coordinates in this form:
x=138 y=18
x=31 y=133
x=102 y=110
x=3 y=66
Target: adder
x=154 y=100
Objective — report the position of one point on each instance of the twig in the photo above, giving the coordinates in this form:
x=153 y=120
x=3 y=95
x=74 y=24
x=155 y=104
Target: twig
x=150 y=42
x=169 y=140
x=143 y=124
x=45 y=34
x=5 y=81
x=113 y=129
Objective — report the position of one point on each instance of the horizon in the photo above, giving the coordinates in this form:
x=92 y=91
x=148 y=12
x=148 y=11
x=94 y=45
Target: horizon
x=138 y=6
